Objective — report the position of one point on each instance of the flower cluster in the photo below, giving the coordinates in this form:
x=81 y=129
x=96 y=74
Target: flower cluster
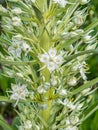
x=18 y=44
x=46 y=49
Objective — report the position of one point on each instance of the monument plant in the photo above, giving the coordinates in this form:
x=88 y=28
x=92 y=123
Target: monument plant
x=45 y=45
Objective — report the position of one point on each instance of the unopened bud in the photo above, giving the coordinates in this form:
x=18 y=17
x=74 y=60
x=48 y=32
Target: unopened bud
x=72 y=81
x=83 y=2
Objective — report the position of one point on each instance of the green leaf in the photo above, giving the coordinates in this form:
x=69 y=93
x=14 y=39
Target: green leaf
x=84 y=86
x=1 y=118
x=48 y=3
x=4 y=125
x=94 y=125
x=13 y=0
x=67 y=43
x=4 y=99
x=91 y=26
x=87 y=113
x=17 y=62
x=38 y=14
x=3 y=83
x=68 y=58
x=16 y=123
x=34 y=74
x=73 y=40
x=25 y=7
x=69 y=13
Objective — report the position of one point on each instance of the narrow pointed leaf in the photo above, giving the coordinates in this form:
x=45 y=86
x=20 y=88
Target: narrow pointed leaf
x=90 y=110
x=4 y=125
x=84 y=86
x=38 y=14
x=4 y=99
x=48 y=3
x=68 y=58
x=73 y=40
x=91 y=26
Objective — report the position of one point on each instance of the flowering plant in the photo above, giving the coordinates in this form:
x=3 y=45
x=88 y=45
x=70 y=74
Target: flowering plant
x=45 y=47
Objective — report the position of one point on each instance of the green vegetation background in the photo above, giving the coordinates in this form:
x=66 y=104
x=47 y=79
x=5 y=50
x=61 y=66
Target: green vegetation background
x=92 y=122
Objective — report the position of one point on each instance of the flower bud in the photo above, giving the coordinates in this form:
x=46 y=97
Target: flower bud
x=16 y=11
x=63 y=92
x=86 y=38
x=26 y=47
x=73 y=34
x=37 y=127
x=19 y=74
x=79 y=31
x=28 y=125
x=41 y=90
x=16 y=21
x=26 y=111
x=72 y=81
x=79 y=106
x=21 y=128
x=74 y=120
x=85 y=91
x=78 y=20
x=83 y=2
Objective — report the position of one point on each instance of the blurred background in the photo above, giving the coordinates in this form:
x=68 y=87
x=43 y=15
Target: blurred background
x=6 y=110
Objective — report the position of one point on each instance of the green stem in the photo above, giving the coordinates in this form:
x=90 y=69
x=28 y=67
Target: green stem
x=45 y=44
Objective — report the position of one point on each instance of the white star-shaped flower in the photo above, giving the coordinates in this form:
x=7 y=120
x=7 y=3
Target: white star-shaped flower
x=18 y=45
x=19 y=92
x=51 y=59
